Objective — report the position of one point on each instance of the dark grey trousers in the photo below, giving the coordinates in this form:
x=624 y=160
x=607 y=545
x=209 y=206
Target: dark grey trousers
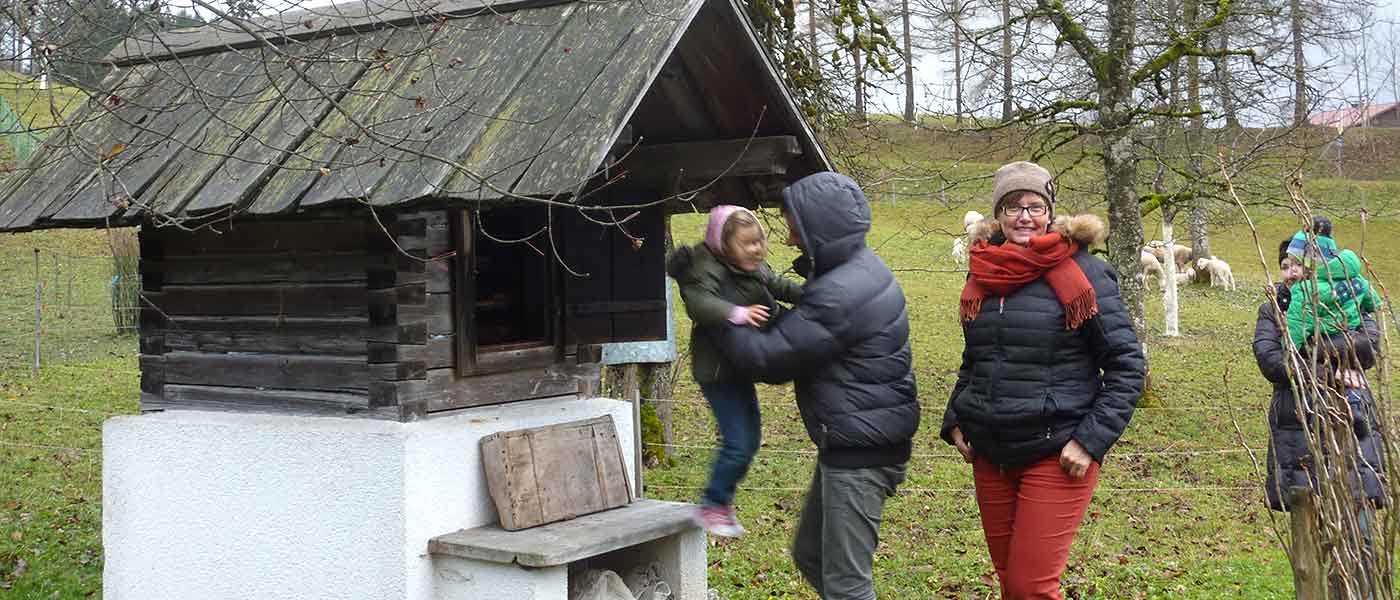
x=840 y=526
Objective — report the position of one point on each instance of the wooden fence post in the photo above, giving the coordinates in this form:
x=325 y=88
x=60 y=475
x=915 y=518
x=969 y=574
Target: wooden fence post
x=1309 y=579
x=38 y=312
x=632 y=391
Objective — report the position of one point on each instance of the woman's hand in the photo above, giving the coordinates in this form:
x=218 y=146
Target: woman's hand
x=1075 y=460
x=964 y=448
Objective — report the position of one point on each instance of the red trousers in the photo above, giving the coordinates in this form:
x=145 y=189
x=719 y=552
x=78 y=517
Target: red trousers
x=1030 y=515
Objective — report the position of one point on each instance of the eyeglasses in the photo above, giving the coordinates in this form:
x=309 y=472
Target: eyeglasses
x=1034 y=210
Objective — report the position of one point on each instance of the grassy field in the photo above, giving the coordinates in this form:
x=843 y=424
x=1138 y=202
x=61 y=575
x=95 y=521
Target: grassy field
x=1179 y=513
x=1165 y=524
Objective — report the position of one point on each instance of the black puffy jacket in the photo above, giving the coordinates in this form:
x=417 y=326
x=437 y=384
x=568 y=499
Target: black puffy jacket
x=1290 y=461
x=846 y=344
x=1028 y=385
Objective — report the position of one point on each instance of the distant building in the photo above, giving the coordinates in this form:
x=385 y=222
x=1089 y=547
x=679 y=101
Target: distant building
x=1372 y=115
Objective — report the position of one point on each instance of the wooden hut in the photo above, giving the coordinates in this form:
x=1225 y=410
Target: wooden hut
x=428 y=214
x=332 y=210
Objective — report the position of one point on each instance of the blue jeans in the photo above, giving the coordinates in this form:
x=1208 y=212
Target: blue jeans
x=735 y=406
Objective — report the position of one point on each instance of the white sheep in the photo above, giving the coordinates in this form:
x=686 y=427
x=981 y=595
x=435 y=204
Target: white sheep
x=1185 y=277
x=970 y=220
x=1181 y=254
x=1151 y=267
x=960 y=250
x=1219 y=270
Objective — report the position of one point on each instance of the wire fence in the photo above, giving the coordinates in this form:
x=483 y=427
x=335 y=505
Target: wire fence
x=67 y=325
x=65 y=307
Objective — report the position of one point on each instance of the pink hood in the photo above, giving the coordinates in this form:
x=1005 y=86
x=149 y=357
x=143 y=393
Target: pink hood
x=714 y=231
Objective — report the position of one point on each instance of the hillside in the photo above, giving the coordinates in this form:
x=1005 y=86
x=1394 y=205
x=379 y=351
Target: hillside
x=38 y=110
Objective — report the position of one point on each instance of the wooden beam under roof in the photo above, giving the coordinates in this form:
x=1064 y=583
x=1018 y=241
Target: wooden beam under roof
x=699 y=162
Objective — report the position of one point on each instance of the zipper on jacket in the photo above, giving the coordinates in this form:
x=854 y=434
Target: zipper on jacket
x=822 y=445
x=1001 y=309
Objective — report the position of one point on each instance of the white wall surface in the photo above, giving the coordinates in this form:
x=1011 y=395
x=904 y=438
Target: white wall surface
x=215 y=505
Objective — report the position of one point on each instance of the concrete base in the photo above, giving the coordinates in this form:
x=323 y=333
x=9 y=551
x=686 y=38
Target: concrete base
x=215 y=505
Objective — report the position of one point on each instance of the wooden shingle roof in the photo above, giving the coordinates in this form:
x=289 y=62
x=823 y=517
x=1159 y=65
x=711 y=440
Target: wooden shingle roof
x=386 y=108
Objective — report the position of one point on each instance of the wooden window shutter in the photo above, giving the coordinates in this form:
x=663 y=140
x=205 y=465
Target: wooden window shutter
x=616 y=292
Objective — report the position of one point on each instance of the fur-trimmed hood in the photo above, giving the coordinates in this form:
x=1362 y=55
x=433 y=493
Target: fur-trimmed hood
x=1085 y=229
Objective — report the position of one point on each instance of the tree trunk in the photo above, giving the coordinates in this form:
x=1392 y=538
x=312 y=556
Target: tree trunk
x=1222 y=80
x=1309 y=572
x=1119 y=159
x=1195 y=145
x=662 y=386
x=1006 y=104
x=812 y=30
x=1300 y=84
x=1172 y=325
x=860 y=83
x=957 y=69
x=908 y=63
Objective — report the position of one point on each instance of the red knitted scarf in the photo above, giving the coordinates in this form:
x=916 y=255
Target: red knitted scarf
x=1001 y=270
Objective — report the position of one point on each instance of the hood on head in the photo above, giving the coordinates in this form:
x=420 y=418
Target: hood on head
x=832 y=217
x=1345 y=265
x=714 y=231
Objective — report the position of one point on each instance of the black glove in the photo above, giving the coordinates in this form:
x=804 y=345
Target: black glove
x=678 y=262
x=802 y=265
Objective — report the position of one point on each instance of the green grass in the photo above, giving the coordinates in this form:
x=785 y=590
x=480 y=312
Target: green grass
x=1188 y=542
x=50 y=426
x=1184 y=542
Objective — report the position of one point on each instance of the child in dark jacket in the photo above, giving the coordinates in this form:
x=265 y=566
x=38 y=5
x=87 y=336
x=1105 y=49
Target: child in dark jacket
x=725 y=280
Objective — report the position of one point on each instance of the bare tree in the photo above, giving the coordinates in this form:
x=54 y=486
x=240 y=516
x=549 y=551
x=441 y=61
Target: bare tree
x=908 y=37
x=947 y=34
x=1006 y=90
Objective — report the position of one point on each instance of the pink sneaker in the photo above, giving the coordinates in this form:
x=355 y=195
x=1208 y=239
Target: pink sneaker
x=718 y=520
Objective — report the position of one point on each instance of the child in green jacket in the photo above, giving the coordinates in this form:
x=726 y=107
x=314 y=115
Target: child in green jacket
x=1334 y=304
x=724 y=281
x=1340 y=296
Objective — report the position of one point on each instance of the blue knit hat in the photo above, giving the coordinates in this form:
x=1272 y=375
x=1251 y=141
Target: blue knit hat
x=1325 y=249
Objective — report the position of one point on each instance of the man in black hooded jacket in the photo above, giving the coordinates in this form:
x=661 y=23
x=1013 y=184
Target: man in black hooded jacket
x=846 y=347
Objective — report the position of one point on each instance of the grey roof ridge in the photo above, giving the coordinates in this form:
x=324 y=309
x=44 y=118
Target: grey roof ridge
x=335 y=18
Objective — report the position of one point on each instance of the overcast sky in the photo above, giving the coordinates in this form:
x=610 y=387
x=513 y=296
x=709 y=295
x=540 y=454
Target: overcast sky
x=935 y=71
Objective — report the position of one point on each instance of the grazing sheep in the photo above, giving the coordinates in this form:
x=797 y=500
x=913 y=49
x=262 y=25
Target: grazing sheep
x=1219 y=270
x=1181 y=254
x=1151 y=267
x=1185 y=277
x=960 y=250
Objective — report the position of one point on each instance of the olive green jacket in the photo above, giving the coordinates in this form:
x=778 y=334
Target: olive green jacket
x=711 y=288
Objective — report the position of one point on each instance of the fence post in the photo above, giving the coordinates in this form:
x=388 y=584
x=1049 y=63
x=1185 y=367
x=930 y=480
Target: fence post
x=38 y=312
x=632 y=391
x=1309 y=581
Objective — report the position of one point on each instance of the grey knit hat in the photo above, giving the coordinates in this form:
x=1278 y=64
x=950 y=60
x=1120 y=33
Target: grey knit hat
x=1022 y=176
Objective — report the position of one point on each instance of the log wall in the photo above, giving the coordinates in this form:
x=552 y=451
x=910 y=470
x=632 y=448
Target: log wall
x=336 y=316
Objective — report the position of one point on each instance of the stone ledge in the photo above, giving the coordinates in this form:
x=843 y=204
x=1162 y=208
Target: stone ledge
x=564 y=542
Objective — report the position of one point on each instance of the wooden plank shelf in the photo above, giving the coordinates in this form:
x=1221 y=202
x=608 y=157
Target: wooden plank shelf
x=567 y=541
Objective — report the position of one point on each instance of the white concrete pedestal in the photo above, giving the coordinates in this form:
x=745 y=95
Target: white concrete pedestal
x=215 y=505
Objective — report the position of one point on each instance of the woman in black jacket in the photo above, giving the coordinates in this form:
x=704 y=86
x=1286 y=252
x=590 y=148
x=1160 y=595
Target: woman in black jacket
x=1343 y=356
x=1051 y=373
